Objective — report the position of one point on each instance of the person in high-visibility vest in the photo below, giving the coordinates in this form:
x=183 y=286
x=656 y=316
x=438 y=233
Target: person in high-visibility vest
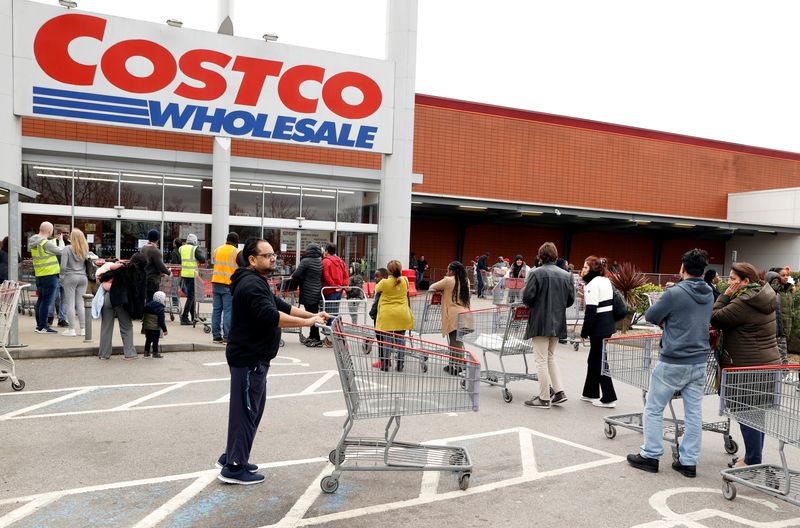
x=45 y=254
x=191 y=256
x=224 y=260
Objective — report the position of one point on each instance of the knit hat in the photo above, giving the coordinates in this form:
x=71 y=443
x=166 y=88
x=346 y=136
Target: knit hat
x=771 y=276
x=191 y=239
x=160 y=297
x=153 y=236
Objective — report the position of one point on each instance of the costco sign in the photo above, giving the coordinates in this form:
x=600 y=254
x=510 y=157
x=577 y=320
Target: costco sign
x=96 y=68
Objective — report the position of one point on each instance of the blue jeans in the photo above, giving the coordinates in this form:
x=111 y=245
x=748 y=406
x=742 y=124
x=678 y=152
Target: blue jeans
x=753 y=444
x=480 y=284
x=46 y=288
x=222 y=299
x=59 y=306
x=419 y=278
x=667 y=379
x=332 y=307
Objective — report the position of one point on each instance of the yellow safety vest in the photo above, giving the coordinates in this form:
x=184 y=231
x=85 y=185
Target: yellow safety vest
x=224 y=264
x=44 y=264
x=188 y=261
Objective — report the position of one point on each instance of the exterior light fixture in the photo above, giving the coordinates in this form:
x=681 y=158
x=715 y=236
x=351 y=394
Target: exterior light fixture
x=683 y=226
x=69 y=4
x=471 y=208
x=174 y=23
x=531 y=213
x=269 y=37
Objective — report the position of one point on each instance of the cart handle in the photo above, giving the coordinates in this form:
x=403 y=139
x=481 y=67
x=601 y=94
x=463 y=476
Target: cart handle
x=763 y=367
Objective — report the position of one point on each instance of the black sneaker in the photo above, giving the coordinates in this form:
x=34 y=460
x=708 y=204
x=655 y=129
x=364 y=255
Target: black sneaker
x=218 y=340
x=157 y=355
x=538 y=403
x=185 y=322
x=223 y=459
x=63 y=324
x=313 y=343
x=146 y=355
x=239 y=476
x=686 y=471
x=645 y=464
x=558 y=398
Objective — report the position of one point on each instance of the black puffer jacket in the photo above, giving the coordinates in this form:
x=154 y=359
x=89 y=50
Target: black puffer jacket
x=308 y=276
x=748 y=328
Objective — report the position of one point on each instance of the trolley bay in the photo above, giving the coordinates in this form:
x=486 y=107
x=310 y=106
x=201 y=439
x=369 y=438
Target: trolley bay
x=115 y=443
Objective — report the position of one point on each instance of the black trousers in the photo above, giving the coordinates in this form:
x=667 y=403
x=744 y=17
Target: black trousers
x=151 y=337
x=385 y=342
x=248 y=395
x=153 y=284
x=594 y=381
x=188 y=309
x=313 y=332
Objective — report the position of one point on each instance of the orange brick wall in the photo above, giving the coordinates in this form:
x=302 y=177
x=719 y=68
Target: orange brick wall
x=435 y=239
x=672 y=251
x=478 y=154
x=622 y=247
x=509 y=240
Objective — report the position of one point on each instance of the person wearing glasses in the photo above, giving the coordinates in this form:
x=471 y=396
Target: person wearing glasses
x=257 y=319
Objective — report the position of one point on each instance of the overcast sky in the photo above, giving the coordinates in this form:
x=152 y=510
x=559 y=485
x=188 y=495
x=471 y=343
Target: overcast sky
x=720 y=69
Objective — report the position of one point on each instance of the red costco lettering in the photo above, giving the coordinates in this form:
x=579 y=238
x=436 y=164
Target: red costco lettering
x=51 y=47
x=332 y=95
x=114 y=66
x=214 y=84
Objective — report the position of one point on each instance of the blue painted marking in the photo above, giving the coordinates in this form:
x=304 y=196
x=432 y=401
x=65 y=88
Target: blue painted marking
x=89 y=97
x=201 y=508
x=335 y=501
x=43 y=110
x=67 y=103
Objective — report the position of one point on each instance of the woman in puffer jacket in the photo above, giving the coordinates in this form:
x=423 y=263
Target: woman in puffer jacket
x=308 y=276
x=746 y=315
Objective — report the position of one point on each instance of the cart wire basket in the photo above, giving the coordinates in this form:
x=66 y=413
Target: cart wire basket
x=508 y=292
x=575 y=316
x=766 y=399
x=353 y=303
x=371 y=392
x=500 y=331
x=9 y=300
x=631 y=360
x=203 y=298
x=426 y=308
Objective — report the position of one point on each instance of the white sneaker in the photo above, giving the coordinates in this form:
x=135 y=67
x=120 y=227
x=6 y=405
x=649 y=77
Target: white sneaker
x=83 y=331
x=590 y=400
x=609 y=405
x=70 y=332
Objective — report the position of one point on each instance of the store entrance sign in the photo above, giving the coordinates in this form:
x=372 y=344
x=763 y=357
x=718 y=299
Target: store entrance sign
x=86 y=67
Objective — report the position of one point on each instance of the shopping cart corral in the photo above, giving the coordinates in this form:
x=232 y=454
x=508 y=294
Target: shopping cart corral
x=501 y=331
x=766 y=399
x=631 y=360
x=371 y=392
x=9 y=300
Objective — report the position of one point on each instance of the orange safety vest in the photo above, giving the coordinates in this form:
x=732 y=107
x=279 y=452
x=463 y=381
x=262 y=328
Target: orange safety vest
x=224 y=264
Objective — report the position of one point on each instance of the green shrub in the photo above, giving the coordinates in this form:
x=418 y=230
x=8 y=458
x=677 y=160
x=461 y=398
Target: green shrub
x=640 y=301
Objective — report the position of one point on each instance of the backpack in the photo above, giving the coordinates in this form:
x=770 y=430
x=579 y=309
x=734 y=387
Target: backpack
x=619 y=308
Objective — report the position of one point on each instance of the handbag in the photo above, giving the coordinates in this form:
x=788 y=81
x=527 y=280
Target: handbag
x=619 y=308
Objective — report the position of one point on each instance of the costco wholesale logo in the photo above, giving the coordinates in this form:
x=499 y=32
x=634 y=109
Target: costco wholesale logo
x=220 y=89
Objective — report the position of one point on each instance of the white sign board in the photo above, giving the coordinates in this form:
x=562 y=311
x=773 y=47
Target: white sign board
x=78 y=66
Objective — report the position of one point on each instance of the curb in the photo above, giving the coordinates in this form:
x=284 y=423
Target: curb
x=44 y=353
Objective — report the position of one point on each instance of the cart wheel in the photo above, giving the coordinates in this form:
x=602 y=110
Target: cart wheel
x=610 y=430
x=424 y=367
x=731 y=446
x=493 y=379
x=329 y=484
x=676 y=456
x=728 y=490
x=463 y=481
x=576 y=346
x=206 y=329
x=172 y=317
x=3 y=378
x=18 y=386
x=507 y=396
x=332 y=457
x=464 y=384
x=282 y=343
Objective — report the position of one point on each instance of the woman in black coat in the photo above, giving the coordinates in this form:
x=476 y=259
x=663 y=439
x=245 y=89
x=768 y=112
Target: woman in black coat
x=598 y=324
x=308 y=276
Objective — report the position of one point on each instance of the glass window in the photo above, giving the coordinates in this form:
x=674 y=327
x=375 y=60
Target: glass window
x=281 y=201
x=181 y=230
x=359 y=249
x=319 y=204
x=187 y=194
x=246 y=199
x=54 y=184
x=141 y=191
x=358 y=207
x=30 y=226
x=96 y=188
x=101 y=235
x=133 y=236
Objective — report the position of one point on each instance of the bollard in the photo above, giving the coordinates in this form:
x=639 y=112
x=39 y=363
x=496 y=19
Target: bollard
x=87 y=305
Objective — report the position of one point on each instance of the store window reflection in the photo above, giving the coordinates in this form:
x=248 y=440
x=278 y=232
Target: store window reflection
x=186 y=194
x=30 y=226
x=100 y=234
x=133 y=236
x=54 y=184
x=281 y=201
x=247 y=199
x=181 y=230
x=358 y=207
x=359 y=249
x=141 y=192
x=96 y=188
x=319 y=204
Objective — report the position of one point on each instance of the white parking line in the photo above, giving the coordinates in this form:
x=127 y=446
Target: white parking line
x=319 y=383
x=169 y=507
x=155 y=394
x=30 y=408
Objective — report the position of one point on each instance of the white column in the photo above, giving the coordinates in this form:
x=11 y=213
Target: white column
x=220 y=192
x=10 y=125
x=394 y=216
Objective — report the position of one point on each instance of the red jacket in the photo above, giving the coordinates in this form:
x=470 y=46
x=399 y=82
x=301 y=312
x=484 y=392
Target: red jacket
x=334 y=272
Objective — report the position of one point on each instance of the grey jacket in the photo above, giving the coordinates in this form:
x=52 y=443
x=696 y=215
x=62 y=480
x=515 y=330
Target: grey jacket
x=71 y=265
x=685 y=313
x=548 y=292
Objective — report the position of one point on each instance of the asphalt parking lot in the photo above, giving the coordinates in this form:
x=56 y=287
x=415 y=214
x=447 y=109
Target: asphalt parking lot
x=133 y=443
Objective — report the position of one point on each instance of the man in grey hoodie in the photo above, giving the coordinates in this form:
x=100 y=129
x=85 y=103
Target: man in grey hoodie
x=45 y=254
x=684 y=311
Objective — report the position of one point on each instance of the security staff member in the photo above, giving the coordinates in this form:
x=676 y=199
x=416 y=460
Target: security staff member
x=45 y=254
x=224 y=260
x=191 y=255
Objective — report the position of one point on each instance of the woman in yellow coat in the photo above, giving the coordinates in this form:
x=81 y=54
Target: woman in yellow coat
x=394 y=315
x=455 y=300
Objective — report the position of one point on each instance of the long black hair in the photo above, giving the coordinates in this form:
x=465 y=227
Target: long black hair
x=461 y=291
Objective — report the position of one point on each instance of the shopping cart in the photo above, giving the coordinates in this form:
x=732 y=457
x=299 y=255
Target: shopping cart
x=9 y=299
x=171 y=286
x=203 y=296
x=766 y=399
x=501 y=331
x=284 y=290
x=374 y=393
x=426 y=308
x=575 y=317
x=508 y=292
x=349 y=304
x=631 y=359
x=28 y=296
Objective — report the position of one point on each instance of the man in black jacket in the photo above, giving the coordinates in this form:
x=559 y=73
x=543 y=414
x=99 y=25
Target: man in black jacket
x=253 y=342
